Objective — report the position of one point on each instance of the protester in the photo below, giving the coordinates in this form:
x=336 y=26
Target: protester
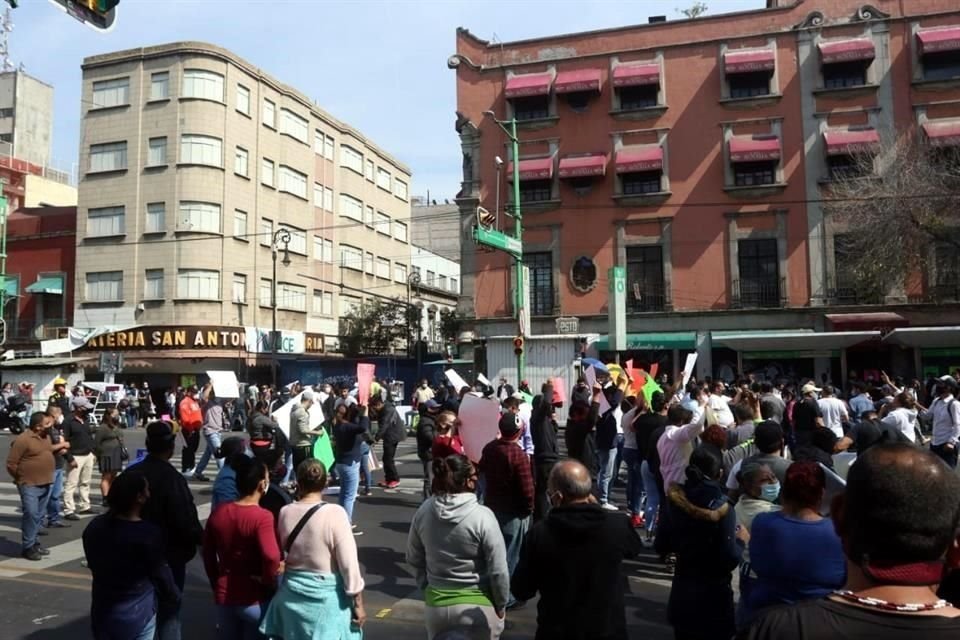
x=633 y=457
x=132 y=583
x=422 y=394
x=580 y=434
x=191 y=421
x=759 y=491
x=806 y=415
x=866 y=433
x=718 y=406
x=60 y=397
x=676 y=444
x=60 y=455
x=349 y=429
x=392 y=431
x=900 y=417
x=301 y=435
x=833 y=411
x=822 y=445
x=543 y=427
x=457 y=551
x=860 y=402
x=428 y=410
x=607 y=427
x=768 y=448
x=772 y=406
x=109 y=449
x=225 y=488
x=240 y=554
x=265 y=433
x=276 y=497
x=214 y=425
x=78 y=433
x=945 y=412
x=447 y=442
x=321 y=593
x=573 y=559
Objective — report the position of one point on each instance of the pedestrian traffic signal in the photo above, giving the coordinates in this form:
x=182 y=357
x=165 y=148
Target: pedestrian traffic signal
x=518 y=345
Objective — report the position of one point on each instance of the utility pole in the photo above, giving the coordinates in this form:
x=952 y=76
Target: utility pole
x=3 y=268
x=284 y=236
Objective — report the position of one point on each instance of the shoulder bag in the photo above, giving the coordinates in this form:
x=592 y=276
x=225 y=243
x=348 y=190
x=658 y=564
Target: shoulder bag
x=300 y=525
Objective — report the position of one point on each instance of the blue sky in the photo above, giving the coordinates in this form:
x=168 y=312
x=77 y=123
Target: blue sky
x=378 y=65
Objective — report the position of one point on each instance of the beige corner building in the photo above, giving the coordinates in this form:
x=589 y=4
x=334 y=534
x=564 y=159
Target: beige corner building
x=191 y=161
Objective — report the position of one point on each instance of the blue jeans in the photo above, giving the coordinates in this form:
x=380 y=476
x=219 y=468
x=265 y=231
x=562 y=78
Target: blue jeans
x=288 y=463
x=616 y=464
x=56 y=495
x=653 y=496
x=607 y=459
x=514 y=531
x=149 y=630
x=365 y=466
x=213 y=443
x=33 y=499
x=168 y=623
x=238 y=622
x=634 y=480
x=349 y=483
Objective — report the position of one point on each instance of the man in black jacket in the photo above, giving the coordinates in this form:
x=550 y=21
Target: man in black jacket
x=171 y=508
x=77 y=432
x=426 y=432
x=392 y=430
x=545 y=453
x=573 y=558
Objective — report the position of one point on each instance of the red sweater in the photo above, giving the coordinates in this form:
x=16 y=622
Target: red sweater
x=240 y=554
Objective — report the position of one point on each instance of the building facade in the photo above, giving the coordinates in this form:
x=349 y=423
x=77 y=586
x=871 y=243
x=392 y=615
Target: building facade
x=26 y=116
x=437 y=290
x=193 y=163
x=436 y=227
x=696 y=154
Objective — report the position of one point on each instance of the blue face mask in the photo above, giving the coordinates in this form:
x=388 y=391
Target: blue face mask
x=770 y=492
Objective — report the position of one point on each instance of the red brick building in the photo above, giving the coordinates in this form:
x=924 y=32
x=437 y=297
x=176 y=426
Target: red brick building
x=694 y=153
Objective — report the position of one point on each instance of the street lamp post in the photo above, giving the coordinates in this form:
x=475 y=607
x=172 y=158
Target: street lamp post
x=281 y=235
x=413 y=280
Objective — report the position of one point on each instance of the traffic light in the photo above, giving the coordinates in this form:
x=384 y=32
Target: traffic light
x=518 y=346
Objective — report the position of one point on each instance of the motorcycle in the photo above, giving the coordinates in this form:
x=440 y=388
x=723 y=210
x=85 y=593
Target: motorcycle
x=13 y=415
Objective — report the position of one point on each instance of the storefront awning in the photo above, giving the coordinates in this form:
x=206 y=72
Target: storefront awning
x=47 y=284
x=579 y=80
x=528 y=84
x=881 y=320
x=639 y=158
x=633 y=74
x=790 y=340
x=845 y=142
x=533 y=169
x=924 y=337
x=594 y=164
x=936 y=40
x=654 y=341
x=754 y=148
x=749 y=60
x=847 y=50
x=11 y=287
x=942 y=133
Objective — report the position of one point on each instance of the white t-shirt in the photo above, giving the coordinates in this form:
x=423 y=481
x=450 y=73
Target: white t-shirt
x=902 y=420
x=834 y=412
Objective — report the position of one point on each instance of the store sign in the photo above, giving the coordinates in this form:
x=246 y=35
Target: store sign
x=314 y=343
x=158 y=338
x=285 y=342
x=567 y=326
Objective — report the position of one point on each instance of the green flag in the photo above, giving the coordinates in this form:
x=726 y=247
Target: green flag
x=649 y=388
x=323 y=451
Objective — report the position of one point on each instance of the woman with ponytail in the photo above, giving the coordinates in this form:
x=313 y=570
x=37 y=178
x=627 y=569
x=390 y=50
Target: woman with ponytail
x=456 y=548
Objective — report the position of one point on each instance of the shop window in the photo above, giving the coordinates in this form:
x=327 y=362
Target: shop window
x=753 y=174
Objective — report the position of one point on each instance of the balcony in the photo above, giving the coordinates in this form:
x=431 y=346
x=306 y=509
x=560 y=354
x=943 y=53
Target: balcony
x=756 y=293
x=648 y=299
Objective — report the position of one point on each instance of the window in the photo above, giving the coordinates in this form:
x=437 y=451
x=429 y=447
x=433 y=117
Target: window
x=946 y=280
x=846 y=166
x=153 y=284
x=269 y=113
x=293 y=182
x=241 y=161
x=442 y=284
x=104 y=286
x=369 y=173
x=157 y=152
x=535 y=190
x=369 y=263
x=292 y=297
x=108 y=157
x=531 y=107
x=203 y=217
x=400 y=188
x=298 y=240
x=111 y=93
x=266 y=231
x=239 y=293
x=205 y=85
x=541 y=282
x=198 y=284
x=266 y=292
x=294 y=126
x=349 y=305
x=845 y=74
x=369 y=216
x=243 y=100
x=645 y=287
x=350 y=207
x=749 y=85
x=383 y=268
x=759 y=284
x=383 y=223
x=328 y=199
x=159 y=86
x=328 y=148
x=351 y=257
x=400 y=231
x=240 y=225
x=318 y=142
x=941 y=65
x=399 y=272
x=156 y=218
x=351 y=159
x=454 y=285
x=326 y=303
x=752 y=174
x=641 y=182
x=266 y=172
x=383 y=179
x=317 y=306
x=431 y=278
x=638 y=97
x=206 y=150
x=317 y=195
x=104 y=222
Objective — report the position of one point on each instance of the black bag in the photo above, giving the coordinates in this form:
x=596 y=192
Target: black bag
x=300 y=525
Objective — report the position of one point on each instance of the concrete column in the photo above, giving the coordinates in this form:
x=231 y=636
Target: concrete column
x=809 y=61
x=704 y=355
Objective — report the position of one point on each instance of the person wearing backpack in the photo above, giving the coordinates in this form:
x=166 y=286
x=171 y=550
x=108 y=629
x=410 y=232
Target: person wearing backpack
x=945 y=411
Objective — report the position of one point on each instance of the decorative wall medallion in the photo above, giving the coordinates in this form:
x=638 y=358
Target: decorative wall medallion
x=583 y=274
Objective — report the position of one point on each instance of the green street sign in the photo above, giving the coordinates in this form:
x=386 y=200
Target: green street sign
x=498 y=240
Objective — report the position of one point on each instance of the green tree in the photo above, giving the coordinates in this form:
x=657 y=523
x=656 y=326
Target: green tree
x=451 y=323
x=694 y=11
x=375 y=327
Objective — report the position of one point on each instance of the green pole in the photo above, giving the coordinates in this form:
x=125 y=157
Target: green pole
x=3 y=267
x=518 y=234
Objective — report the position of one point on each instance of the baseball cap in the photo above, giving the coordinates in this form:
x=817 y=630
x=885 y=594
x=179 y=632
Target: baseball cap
x=432 y=404
x=307 y=395
x=509 y=424
x=80 y=402
x=948 y=379
x=809 y=388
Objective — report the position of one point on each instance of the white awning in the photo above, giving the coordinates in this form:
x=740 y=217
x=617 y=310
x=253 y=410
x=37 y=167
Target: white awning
x=790 y=340
x=924 y=337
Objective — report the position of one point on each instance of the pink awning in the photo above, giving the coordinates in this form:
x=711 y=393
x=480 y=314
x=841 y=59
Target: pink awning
x=943 y=133
x=845 y=142
x=528 y=84
x=934 y=40
x=533 y=169
x=847 y=50
x=754 y=148
x=579 y=80
x=640 y=158
x=748 y=60
x=594 y=164
x=632 y=74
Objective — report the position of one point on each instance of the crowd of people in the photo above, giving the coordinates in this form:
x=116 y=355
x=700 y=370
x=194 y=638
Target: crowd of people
x=738 y=488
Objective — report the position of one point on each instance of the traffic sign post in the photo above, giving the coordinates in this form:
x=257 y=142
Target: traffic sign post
x=617 y=308
x=497 y=240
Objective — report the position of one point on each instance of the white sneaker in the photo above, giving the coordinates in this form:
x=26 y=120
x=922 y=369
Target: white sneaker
x=609 y=506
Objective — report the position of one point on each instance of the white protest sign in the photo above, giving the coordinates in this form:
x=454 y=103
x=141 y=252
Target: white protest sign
x=688 y=368
x=482 y=379
x=479 y=419
x=591 y=376
x=282 y=415
x=225 y=384
x=454 y=378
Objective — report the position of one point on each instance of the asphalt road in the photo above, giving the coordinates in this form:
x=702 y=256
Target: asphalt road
x=50 y=600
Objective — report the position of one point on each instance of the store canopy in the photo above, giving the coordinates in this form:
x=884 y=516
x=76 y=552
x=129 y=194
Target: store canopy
x=528 y=84
x=754 y=148
x=876 y=321
x=749 y=60
x=653 y=341
x=634 y=159
x=791 y=340
x=845 y=142
x=634 y=74
x=533 y=169
x=594 y=164
x=579 y=80
x=11 y=287
x=47 y=284
x=942 y=133
x=847 y=50
x=43 y=363
x=937 y=40
x=924 y=337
